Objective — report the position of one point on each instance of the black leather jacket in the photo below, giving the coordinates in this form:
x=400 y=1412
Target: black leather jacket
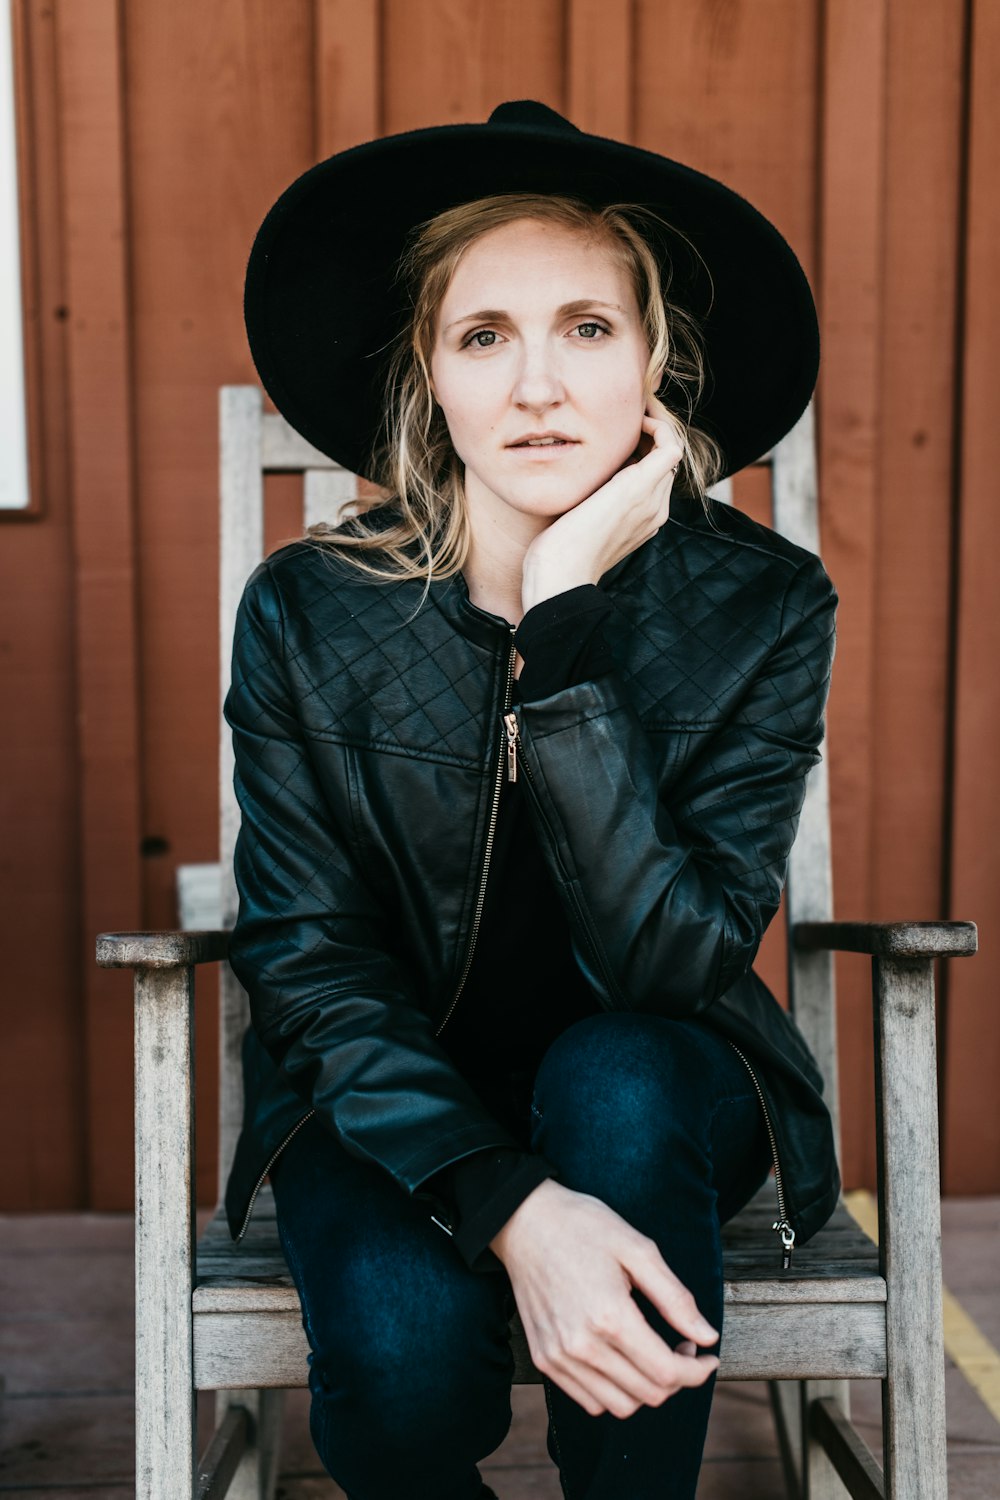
x=370 y=743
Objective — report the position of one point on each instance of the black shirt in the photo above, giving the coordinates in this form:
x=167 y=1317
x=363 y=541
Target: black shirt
x=524 y=986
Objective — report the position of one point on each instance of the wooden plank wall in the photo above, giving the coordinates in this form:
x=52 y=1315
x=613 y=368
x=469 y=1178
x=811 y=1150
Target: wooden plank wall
x=159 y=136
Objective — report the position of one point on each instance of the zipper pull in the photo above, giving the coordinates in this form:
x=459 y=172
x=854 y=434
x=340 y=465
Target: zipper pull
x=782 y=1227
x=510 y=724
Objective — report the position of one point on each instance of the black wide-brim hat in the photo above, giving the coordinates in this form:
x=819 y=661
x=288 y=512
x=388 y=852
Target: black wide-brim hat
x=324 y=306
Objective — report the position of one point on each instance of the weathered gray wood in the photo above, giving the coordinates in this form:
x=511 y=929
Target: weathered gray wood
x=821 y=1480
x=830 y=1341
x=164 y=1234
x=910 y=1228
x=891 y=939
x=199 y=896
x=256 y=1477
x=840 y=1263
x=222 y=1456
x=811 y=983
x=249 y=1351
x=283 y=450
x=160 y=950
x=326 y=493
x=786 y=1408
x=242 y=447
x=234 y=1017
x=834 y=1340
x=848 y=1452
x=241 y=533
x=795 y=495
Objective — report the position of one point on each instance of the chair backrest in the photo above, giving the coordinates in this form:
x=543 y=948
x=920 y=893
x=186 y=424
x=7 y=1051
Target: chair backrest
x=254 y=443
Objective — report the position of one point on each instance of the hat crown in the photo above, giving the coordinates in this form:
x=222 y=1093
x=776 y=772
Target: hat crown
x=533 y=113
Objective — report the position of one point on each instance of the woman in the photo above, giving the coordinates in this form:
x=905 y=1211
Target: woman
x=520 y=753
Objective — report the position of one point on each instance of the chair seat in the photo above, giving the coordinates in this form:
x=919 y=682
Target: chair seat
x=825 y=1318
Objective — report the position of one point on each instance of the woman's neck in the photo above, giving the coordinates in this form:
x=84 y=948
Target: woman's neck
x=494 y=568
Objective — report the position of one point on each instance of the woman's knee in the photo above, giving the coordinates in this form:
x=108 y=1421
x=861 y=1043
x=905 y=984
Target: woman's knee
x=622 y=1070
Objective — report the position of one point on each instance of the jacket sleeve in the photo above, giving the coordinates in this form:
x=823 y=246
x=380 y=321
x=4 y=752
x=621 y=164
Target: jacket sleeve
x=669 y=892
x=329 y=999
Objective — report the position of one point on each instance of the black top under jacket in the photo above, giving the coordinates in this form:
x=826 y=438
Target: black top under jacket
x=524 y=986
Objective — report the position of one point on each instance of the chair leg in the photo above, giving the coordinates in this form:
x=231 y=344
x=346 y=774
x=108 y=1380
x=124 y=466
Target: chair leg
x=787 y=1412
x=910 y=1230
x=822 y=1482
x=257 y=1475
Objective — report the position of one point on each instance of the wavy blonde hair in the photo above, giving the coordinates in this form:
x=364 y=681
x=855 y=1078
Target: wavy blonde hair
x=424 y=532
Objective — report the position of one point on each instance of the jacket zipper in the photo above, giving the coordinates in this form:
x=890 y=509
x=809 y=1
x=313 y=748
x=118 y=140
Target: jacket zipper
x=477 y=917
x=781 y=1226
x=498 y=782
x=260 y=1180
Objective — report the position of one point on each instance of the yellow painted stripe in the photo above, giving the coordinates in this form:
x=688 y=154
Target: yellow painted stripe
x=964 y=1343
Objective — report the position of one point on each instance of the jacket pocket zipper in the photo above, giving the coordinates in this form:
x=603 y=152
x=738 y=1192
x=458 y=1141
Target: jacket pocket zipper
x=513 y=746
x=781 y=1226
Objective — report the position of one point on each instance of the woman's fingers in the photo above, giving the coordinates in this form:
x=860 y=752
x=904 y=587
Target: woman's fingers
x=611 y=1382
x=663 y=433
x=651 y=1274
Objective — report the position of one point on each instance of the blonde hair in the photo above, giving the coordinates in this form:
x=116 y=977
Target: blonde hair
x=424 y=532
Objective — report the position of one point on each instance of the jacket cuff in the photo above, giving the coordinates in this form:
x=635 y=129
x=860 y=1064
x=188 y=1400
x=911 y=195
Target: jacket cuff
x=476 y=1196
x=562 y=642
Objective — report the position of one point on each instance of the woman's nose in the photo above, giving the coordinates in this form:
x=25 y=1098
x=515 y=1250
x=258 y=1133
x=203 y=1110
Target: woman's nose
x=538 y=383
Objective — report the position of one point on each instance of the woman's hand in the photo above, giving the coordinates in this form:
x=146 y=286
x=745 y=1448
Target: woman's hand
x=629 y=508
x=572 y=1262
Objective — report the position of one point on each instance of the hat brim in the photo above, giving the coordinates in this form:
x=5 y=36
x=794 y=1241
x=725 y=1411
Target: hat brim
x=323 y=307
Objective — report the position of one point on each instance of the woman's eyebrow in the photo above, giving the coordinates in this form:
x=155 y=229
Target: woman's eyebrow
x=497 y=314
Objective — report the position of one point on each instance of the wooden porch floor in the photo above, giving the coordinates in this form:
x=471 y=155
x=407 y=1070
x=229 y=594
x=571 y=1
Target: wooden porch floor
x=66 y=1326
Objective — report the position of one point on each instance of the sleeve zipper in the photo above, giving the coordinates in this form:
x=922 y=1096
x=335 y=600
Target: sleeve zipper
x=781 y=1226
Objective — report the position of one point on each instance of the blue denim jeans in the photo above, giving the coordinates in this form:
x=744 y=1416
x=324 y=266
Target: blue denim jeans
x=410 y=1365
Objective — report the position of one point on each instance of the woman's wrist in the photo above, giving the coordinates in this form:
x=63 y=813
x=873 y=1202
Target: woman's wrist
x=547 y=577
x=503 y=1242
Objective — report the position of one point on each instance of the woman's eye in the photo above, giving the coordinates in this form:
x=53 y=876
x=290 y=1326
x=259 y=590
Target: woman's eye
x=480 y=333
x=589 y=338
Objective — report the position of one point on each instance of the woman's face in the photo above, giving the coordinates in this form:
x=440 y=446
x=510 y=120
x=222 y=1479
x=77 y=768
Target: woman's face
x=539 y=332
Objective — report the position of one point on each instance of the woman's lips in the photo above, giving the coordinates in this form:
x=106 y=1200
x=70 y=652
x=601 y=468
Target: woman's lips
x=542 y=450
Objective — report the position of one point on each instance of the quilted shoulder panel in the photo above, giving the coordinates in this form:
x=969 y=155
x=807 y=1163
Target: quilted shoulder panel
x=376 y=666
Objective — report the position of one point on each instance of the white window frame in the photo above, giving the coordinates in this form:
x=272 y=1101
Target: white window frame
x=14 y=482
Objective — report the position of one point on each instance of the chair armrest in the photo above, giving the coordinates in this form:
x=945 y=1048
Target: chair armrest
x=890 y=939
x=160 y=950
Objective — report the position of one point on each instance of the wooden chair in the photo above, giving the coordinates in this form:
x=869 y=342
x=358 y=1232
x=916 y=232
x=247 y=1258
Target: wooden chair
x=225 y=1317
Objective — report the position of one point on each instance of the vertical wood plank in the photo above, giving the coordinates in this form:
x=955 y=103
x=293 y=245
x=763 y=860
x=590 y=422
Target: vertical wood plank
x=453 y=61
x=851 y=191
x=347 y=79
x=104 y=542
x=972 y=1046
x=599 y=66
x=730 y=88
x=915 y=471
